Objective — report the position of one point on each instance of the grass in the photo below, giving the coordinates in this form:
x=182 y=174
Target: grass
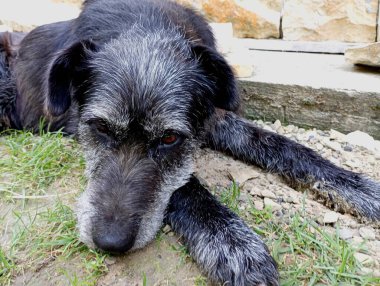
x=33 y=163
x=31 y=168
x=230 y=197
x=306 y=253
x=7 y=267
x=48 y=236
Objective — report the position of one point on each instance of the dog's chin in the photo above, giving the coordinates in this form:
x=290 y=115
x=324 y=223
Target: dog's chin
x=85 y=211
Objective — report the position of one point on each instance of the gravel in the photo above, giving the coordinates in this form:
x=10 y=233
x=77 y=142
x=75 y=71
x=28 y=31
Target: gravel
x=351 y=152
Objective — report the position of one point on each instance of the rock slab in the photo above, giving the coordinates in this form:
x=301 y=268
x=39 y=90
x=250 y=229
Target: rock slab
x=368 y=55
x=325 y=20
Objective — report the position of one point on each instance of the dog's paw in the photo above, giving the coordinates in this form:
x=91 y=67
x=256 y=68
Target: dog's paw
x=235 y=256
x=360 y=193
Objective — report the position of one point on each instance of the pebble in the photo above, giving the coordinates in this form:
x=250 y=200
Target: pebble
x=290 y=128
x=268 y=128
x=367 y=232
x=331 y=217
x=259 y=205
x=345 y=233
x=271 y=204
x=362 y=139
x=166 y=228
x=292 y=198
x=276 y=125
x=336 y=135
x=110 y=260
x=369 y=271
x=364 y=259
x=348 y=148
x=281 y=130
x=268 y=194
x=241 y=175
x=319 y=146
x=353 y=163
x=357 y=241
x=333 y=145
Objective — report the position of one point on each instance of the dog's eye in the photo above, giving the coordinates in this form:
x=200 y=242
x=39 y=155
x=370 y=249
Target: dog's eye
x=169 y=139
x=100 y=127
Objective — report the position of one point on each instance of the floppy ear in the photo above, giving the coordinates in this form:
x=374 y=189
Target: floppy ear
x=215 y=66
x=68 y=72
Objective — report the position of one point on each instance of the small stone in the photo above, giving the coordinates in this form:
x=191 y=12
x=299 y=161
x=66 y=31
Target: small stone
x=348 y=148
x=268 y=194
x=370 y=271
x=268 y=128
x=276 y=125
x=319 y=146
x=368 y=54
x=281 y=130
x=323 y=133
x=242 y=70
x=345 y=233
x=331 y=217
x=259 y=205
x=271 y=178
x=336 y=135
x=240 y=175
x=166 y=228
x=110 y=260
x=357 y=241
x=292 y=198
x=367 y=233
x=364 y=259
x=271 y=204
x=359 y=138
x=348 y=221
x=333 y=145
x=353 y=163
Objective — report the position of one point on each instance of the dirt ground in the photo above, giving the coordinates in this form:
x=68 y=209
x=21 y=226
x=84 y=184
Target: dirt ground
x=165 y=261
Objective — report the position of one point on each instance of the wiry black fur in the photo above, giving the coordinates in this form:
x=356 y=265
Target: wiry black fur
x=295 y=162
x=124 y=75
x=7 y=85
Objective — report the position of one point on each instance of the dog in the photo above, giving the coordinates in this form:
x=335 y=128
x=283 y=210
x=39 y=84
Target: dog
x=143 y=87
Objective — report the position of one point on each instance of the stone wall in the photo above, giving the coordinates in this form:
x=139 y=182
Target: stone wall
x=301 y=20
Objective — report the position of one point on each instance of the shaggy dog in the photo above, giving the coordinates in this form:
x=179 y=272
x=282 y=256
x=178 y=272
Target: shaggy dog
x=142 y=86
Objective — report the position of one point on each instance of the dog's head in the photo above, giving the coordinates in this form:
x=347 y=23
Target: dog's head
x=143 y=102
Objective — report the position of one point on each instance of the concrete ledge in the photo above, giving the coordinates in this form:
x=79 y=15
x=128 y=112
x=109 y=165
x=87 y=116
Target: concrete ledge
x=312 y=90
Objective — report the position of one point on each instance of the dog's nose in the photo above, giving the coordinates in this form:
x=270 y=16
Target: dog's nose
x=114 y=242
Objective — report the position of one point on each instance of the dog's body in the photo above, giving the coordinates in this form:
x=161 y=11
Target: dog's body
x=141 y=84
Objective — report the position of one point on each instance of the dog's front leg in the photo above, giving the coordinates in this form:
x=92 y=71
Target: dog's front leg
x=231 y=134
x=225 y=248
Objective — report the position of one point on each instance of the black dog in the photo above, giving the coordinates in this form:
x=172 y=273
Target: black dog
x=142 y=85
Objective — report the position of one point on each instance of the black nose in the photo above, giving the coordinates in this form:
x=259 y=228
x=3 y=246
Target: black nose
x=114 y=242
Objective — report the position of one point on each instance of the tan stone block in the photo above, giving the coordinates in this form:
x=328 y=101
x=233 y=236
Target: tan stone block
x=324 y=20
x=378 y=23
x=250 y=18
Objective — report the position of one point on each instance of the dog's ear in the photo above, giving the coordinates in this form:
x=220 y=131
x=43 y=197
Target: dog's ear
x=68 y=72
x=225 y=93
